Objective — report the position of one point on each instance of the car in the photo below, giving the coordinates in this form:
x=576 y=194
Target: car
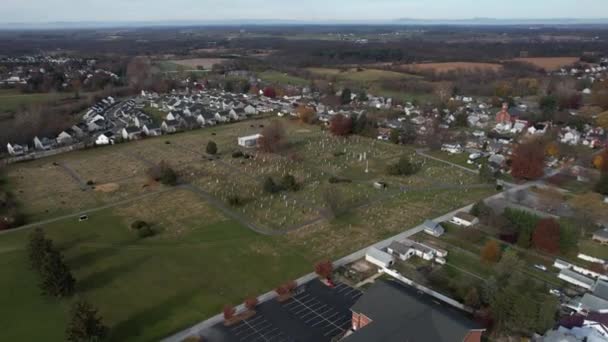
x=541 y=267
x=83 y=218
x=555 y=292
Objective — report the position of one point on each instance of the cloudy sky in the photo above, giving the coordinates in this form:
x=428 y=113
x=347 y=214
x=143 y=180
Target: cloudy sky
x=309 y=10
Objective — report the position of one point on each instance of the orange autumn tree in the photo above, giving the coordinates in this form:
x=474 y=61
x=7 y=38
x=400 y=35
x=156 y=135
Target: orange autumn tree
x=600 y=161
x=324 y=269
x=528 y=161
x=341 y=125
x=490 y=252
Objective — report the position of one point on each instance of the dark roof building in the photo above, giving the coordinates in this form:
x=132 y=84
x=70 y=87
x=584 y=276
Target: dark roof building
x=391 y=312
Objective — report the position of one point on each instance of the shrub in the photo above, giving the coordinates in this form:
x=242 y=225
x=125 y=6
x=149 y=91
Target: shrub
x=211 y=148
x=404 y=167
x=235 y=200
x=251 y=303
x=289 y=183
x=336 y=180
x=137 y=225
x=324 y=269
x=163 y=173
x=237 y=154
x=270 y=186
x=229 y=312
x=145 y=232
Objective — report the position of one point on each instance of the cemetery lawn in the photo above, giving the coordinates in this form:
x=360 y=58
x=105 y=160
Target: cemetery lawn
x=200 y=260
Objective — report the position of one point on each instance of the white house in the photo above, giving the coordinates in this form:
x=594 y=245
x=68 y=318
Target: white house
x=131 y=133
x=64 y=138
x=464 y=219
x=105 y=139
x=249 y=141
x=407 y=248
x=452 y=148
x=152 y=130
x=250 y=110
x=379 y=258
x=43 y=144
x=16 y=150
x=169 y=126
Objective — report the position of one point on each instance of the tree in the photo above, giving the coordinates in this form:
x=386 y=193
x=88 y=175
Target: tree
x=85 y=324
x=229 y=312
x=481 y=210
x=490 y=253
x=341 y=125
x=472 y=298
x=270 y=92
x=38 y=247
x=395 y=136
x=270 y=186
x=602 y=185
x=289 y=183
x=546 y=236
x=547 y=314
x=306 y=114
x=139 y=72
x=163 y=173
x=57 y=280
x=486 y=174
x=272 y=138
x=548 y=105
x=324 y=269
x=528 y=161
x=251 y=303
x=334 y=202
x=211 y=148
x=404 y=167
x=346 y=96
x=282 y=290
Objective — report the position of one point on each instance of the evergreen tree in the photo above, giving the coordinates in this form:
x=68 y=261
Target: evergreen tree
x=38 y=246
x=85 y=324
x=57 y=280
x=346 y=96
x=289 y=183
x=486 y=174
x=211 y=148
x=547 y=314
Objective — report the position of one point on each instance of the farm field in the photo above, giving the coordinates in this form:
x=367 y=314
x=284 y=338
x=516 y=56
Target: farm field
x=194 y=63
x=11 y=100
x=360 y=75
x=282 y=78
x=549 y=63
x=193 y=265
x=450 y=66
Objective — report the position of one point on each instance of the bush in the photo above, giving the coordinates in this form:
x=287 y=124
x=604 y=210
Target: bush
x=336 y=180
x=211 y=148
x=163 y=173
x=235 y=200
x=137 y=225
x=145 y=232
x=289 y=183
x=237 y=154
x=270 y=186
x=404 y=167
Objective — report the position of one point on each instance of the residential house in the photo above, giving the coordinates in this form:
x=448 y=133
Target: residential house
x=206 y=119
x=97 y=125
x=43 y=144
x=169 y=126
x=152 y=130
x=250 y=110
x=106 y=138
x=464 y=219
x=595 y=301
x=131 y=133
x=16 y=150
x=407 y=248
x=391 y=312
x=601 y=236
x=379 y=258
x=576 y=279
x=433 y=228
x=189 y=122
x=64 y=138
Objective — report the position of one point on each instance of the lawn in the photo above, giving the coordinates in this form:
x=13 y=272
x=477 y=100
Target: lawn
x=283 y=78
x=458 y=159
x=146 y=289
x=359 y=75
x=12 y=100
x=592 y=248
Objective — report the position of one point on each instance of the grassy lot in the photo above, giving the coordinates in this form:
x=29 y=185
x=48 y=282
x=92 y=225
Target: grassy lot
x=146 y=289
x=157 y=115
x=283 y=78
x=11 y=100
x=361 y=75
x=199 y=261
x=592 y=248
x=459 y=159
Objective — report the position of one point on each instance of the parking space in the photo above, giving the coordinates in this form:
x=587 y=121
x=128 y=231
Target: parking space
x=258 y=329
x=315 y=313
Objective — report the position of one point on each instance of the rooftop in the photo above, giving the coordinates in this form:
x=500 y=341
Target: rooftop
x=400 y=313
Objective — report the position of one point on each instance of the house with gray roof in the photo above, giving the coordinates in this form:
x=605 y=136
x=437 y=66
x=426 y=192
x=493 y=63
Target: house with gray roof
x=601 y=236
x=391 y=312
x=433 y=228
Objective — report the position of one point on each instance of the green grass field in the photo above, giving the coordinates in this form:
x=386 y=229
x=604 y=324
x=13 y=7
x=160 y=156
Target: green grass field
x=144 y=289
x=12 y=100
x=361 y=76
x=283 y=78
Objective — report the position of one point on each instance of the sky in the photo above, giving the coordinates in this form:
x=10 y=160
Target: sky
x=39 y=11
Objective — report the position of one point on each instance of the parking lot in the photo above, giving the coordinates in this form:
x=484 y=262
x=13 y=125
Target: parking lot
x=315 y=313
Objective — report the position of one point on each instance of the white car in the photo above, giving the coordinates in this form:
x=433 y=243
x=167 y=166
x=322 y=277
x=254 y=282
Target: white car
x=555 y=292
x=541 y=267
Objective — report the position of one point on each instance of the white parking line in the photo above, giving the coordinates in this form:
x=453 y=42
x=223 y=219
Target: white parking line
x=324 y=318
